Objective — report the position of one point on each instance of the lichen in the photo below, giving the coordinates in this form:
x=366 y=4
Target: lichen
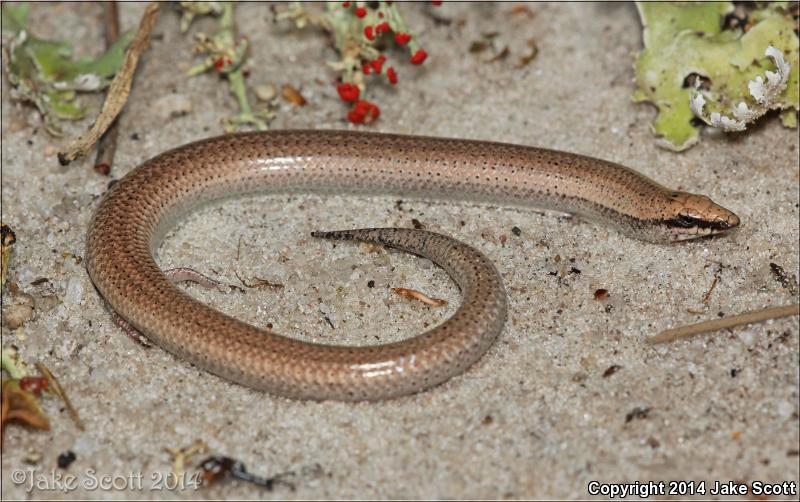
x=360 y=32
x=765 y=94
x=227 y=55
x=44 y=73
x=691 y=63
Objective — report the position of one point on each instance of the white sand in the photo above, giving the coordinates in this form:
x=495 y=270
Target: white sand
x=535 y=417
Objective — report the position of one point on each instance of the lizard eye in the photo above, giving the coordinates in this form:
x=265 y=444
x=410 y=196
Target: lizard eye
x=685 y=221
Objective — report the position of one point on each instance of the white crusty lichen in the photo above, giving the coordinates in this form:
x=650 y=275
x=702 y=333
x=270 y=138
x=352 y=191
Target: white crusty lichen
x=766 y=95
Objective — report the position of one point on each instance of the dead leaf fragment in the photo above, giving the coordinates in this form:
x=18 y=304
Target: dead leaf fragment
x=183 y=456
x=7 y=239
x=21 y=406
x=416 y=295
x=522 y=10
x=293 y=96
x=118 y=91
x=500 y=55
x=59 y=391
x=478 y=46
x=533 y=51
x=257 y=282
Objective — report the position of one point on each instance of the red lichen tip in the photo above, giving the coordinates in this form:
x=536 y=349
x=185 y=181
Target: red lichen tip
x=402 y=38
x=369 y=33
x=361 y=11
x=364 y=112
x=383 y=28
x=377 y=64
x=391 y=75
x=419 y=57
x=348 y=91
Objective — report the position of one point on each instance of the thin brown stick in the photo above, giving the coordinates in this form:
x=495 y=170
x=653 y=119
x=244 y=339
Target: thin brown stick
x=707 y=297
x=416 y=295
x=725 y=322
x=107 y=146
x=118 y=91
x=73 y=413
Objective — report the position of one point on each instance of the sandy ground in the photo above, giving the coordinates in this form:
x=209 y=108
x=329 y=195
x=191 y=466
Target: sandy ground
x=543 y=413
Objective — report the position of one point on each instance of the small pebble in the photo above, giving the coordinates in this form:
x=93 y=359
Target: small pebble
x=266 y=92
x=26 y=275
x=15 y=316
x=32 y=457
x=65 y=459
x=785 y=409
x=747 y=338
x=74 y=291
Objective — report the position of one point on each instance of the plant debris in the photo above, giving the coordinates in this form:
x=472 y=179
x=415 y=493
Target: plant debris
x=15 y=315
x=118 y=92
x=7 y=239
x=107 y=145
x=226 y=55
x=12 y=363
x=21 y=406
x=692 y=66
x=218 y=467
x=533 y=51
x=723 y=323
x=790 y=283
x=416 y=295
x=182 y=456
x=637 y=413
x=59 y=391
x=43 y=72
x=293 y=96
x=258 y=283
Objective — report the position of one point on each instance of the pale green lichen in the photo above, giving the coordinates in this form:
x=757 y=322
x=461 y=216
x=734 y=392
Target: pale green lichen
x=226 y=55
x=687 y=39
x=43 y=73
x=11 y=363
x=765 y=93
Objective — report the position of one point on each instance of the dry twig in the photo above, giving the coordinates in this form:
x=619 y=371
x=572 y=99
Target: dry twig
x=107 y=146
x=416 y=295
x=725 y=322
x=118 y=91
x=59 y=391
